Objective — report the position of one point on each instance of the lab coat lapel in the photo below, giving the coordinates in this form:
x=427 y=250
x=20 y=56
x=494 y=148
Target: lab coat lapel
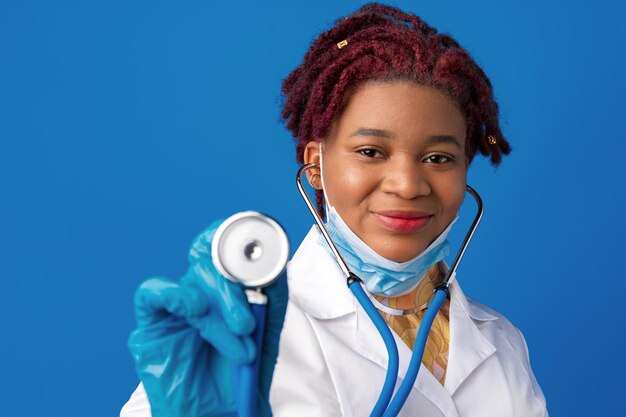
x=468 y=346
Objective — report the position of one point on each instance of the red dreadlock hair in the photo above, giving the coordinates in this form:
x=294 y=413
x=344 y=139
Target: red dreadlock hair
x=386 y=44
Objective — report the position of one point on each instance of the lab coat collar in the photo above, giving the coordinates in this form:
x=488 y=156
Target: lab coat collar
x=476 y=312
x=322 y=292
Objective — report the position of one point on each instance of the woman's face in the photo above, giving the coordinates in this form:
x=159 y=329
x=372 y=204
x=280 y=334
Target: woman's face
x=394 y=166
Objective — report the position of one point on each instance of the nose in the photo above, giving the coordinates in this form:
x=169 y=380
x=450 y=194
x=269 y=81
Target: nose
x=405 y=179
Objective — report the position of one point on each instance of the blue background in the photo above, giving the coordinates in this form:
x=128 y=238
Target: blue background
x=128 y=126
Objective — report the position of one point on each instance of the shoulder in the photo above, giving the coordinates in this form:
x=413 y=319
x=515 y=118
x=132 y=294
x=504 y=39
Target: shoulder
x=492 y=323
x=478 y=310
x=510 y=344
x=499 y=326
x=316 y=284
x=308 y=254
x=137 y=405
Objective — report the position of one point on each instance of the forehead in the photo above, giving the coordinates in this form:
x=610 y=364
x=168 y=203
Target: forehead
x=402 y=108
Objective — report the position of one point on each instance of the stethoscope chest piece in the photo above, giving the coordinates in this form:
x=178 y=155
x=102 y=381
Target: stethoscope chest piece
x=250 y=248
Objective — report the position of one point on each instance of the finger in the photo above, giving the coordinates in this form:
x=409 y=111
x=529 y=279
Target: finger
x=227 y=296
x=240 y=349
x=235 y=308
x=157 y=297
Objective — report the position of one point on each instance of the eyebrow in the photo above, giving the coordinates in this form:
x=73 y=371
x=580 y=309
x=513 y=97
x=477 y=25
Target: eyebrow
x=443 y=139
x=432 y=140
x=367 y=131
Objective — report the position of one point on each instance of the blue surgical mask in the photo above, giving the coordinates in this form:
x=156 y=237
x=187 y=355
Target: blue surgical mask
x=380 y=275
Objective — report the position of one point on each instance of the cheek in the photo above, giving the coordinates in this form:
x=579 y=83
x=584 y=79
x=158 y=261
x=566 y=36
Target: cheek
x=343 y=189
x=457 y=195
x=450 y=191
x=347 y=184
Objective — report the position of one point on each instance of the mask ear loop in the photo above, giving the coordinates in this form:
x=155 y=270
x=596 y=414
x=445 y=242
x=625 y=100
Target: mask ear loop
x=326 y=202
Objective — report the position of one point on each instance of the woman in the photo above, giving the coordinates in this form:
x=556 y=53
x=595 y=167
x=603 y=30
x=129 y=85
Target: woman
x=392 y=113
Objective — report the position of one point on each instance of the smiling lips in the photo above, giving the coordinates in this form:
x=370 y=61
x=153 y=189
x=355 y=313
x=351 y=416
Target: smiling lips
x=403 y=221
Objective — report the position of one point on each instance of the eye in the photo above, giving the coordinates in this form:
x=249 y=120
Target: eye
x=370 y=152
x=437 y=159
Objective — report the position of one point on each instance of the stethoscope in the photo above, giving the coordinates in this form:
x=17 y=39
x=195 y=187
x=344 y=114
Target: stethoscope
x=387 y=406
x=252 y=249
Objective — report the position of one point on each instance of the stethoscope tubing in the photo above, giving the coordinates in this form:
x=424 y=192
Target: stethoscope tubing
x=246 y=377
x=392 y=349
x=418 y=352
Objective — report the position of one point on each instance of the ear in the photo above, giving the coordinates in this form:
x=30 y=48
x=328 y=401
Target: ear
x=312 y=156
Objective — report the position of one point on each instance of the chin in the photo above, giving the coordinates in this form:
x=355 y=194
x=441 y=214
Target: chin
x=393 y=253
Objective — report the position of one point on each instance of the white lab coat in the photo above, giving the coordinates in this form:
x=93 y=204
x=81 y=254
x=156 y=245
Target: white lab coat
x=332 y=360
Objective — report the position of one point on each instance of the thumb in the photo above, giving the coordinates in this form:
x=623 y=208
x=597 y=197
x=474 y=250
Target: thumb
x=226 y=297
x=201 y=246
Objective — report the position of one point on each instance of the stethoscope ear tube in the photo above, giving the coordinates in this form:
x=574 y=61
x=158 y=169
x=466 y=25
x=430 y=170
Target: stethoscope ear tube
x=468 y=236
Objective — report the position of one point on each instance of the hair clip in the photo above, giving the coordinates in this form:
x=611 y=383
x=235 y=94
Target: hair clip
x=342 y=44
x=491 y=139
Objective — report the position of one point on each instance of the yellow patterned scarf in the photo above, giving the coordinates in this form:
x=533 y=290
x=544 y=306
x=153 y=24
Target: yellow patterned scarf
x=406 y=326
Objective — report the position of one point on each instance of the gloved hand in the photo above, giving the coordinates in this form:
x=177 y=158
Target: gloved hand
x=190 y=334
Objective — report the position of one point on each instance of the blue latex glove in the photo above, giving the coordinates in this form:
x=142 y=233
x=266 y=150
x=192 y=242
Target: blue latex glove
x=189 y=335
